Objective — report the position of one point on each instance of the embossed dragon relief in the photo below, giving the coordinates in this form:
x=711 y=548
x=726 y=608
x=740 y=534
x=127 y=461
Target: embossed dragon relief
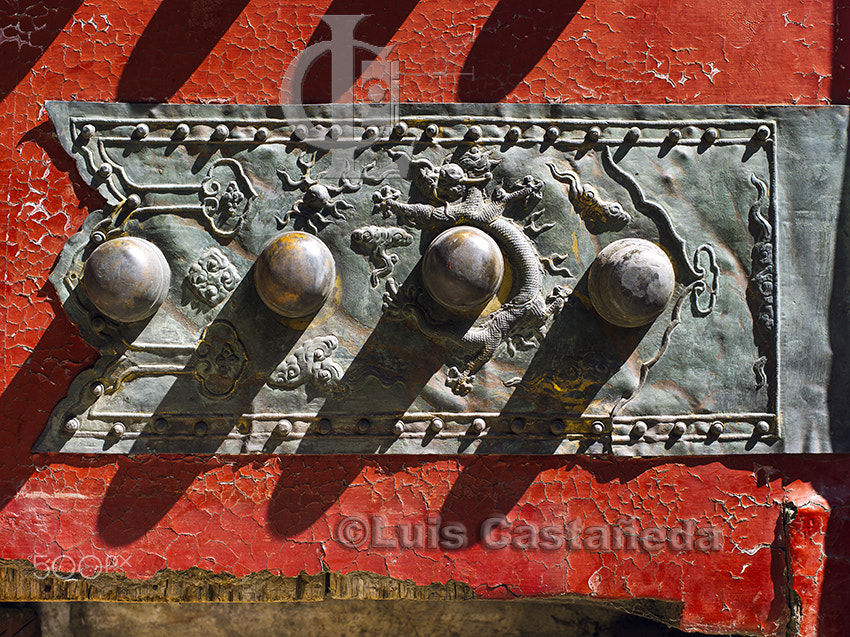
x=460 y=193
x=447 y=189
x=456 y=196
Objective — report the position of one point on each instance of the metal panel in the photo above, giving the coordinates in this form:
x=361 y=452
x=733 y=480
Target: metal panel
x=578 y=204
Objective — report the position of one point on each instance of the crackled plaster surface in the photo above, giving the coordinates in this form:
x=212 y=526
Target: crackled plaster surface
x=137 y=516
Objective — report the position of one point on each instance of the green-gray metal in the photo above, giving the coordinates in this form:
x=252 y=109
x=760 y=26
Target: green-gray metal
x=383 y=361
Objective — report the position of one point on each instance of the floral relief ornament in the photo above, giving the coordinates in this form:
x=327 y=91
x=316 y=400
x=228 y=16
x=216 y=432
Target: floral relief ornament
x=212 y=277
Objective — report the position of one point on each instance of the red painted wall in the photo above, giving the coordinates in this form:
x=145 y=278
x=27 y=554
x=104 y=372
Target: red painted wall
x=246 y=514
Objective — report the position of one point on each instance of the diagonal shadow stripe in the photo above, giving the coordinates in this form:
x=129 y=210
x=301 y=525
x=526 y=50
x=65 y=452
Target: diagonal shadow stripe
x=515 y=38
x=177 y=39
x=27 y=29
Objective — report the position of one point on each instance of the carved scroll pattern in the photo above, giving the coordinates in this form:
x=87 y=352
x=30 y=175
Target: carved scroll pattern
x=761 y=290
x=312 y=362
x=212 y=277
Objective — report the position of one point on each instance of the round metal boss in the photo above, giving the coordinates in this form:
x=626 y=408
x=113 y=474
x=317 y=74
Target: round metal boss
x=462 y=268
x=295 y=274
x=127 y=279
x=630 y=282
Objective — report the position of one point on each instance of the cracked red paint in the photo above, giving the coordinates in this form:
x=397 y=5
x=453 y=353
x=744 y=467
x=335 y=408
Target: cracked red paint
x=248 y=514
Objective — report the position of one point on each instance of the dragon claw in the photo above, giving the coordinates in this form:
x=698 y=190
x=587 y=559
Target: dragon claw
x=381 y=200
x=532 y=182
x=459 y=382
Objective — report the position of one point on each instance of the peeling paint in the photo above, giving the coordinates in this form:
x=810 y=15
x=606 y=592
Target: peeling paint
x=275 y=518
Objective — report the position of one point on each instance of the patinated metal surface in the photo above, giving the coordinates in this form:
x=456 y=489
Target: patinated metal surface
x=384 y=365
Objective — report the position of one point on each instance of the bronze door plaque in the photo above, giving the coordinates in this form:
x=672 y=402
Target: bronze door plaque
x=529 y=279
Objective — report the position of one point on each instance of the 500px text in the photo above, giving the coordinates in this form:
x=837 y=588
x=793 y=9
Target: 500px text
x=71 y=569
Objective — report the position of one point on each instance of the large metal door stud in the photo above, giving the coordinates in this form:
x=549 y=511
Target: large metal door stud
x=630 y=282
x=295 y=274
x=127 y=279
x=463 y=268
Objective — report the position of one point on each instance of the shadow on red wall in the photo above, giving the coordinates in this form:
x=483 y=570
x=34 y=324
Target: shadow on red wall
x=143 y=490
x=26 y=30
x=175 y=42
x=515 y=38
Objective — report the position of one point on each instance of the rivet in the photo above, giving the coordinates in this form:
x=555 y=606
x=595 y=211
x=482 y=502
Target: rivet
x=632 y=135
x=639 y=429
x=431 y=131
x=400 y=129
x=72 y=425
x=363 y=426
x=398 y=427
x=98 y=324
x=674 y=135
x=221 y=132
x=763 y=133
x=182 y=131
x=201 y=428
x=479 y=424
x=437 y=424
x=118 y=429
x=716 y=428
x=597 y=427
x=710 y=135
x=97 y=388
x=141 y=131
x=513 y=133
x=284 y=426
x=299 y=132
x=132 y=202
x=474 y=133
x=98 y=237
x=87 y=131
x=104 y=171
x=678 y=428
x=335 y=132
x=552 y=133
x=593 y=134
x=324 y=426
x=762 y=427
x=160 y=425
x=262 y=134
x=517 y=425
x=557 y=427
x=370 y=133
